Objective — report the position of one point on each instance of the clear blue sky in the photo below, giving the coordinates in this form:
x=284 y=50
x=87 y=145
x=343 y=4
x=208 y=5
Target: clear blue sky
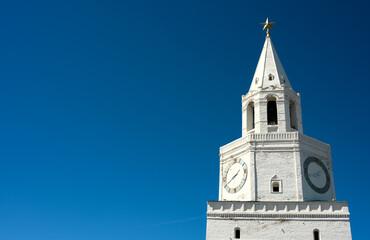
x=112 y=112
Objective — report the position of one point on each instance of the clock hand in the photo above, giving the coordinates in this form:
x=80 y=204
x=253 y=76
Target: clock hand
x=233 y=177
x=317 y=174
x=230 y=180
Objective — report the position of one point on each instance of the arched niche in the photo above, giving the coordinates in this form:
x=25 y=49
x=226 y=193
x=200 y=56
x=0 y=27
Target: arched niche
x=272 y=116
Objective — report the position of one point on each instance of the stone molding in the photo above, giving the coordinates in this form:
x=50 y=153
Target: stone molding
x=278 y=210
x=278 y=216
x=275 y=137
x=263 y=92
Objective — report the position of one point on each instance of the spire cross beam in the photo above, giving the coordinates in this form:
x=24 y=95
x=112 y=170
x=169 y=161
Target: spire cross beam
x=267 y=25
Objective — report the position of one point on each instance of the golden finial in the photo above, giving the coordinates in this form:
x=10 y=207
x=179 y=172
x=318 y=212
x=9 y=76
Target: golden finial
x=267 y=25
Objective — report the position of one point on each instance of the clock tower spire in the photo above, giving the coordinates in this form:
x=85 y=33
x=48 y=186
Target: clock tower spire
x=275 y=182
x=271 y=105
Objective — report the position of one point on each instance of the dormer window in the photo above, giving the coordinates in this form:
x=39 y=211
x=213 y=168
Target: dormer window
x=276 y=186
x=271 y=77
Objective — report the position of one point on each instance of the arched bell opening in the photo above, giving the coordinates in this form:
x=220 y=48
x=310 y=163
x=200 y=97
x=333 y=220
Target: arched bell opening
x=272 y=118
x=250 y=116
x=293 y=115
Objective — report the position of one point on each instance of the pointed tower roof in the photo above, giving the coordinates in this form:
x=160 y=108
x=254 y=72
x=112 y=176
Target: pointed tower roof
x=269 y=71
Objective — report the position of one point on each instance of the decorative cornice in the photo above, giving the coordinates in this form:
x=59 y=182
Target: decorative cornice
x=278 y=210
x=277 y=216
x=287 y=137
x=265 y=91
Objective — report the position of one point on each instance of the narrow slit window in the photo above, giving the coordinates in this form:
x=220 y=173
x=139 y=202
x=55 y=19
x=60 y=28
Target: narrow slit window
x=316 y=234
x=275 y=187
x=237 y=233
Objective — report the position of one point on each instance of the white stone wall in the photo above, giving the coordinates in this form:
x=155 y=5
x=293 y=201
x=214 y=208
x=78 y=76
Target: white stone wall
x=223 y=229
x=282 y=166
x=272 y=220
x=275 y=154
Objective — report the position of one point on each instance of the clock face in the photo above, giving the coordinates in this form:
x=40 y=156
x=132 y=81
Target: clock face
x=235 y=175
x=316 y=175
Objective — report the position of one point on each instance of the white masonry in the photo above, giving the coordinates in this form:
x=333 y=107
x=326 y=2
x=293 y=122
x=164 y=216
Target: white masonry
x=275 y=182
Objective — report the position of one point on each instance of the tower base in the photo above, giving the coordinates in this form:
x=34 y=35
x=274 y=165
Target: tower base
x=278 y=220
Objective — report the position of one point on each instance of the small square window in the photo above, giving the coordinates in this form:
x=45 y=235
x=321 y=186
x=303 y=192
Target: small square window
x=276 y=186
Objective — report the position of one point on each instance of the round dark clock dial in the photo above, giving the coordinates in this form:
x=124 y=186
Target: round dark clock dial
x=316 y=175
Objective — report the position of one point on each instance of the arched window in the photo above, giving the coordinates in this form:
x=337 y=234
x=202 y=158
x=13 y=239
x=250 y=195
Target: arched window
x=276 y=185
x=237 y=233
x=250 y=116
x=293 y=115
x=272 y=111
x=316 y=234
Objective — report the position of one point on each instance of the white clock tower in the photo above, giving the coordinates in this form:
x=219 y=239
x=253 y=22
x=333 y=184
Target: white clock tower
x=275 y=182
